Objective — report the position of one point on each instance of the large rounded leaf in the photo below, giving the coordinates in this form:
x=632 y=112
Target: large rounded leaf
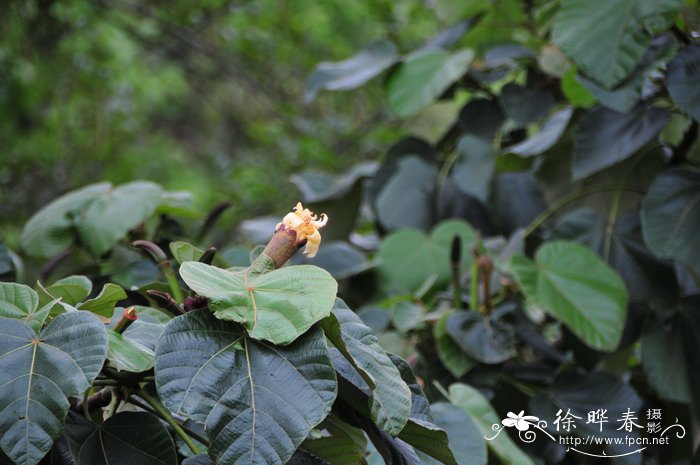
x=682 y=80
x=646 y=277
x=111 y=215
x=258 y=401
x=100 y=214
x=407 y=199
x=408 y=260
x=423 y=77
x=51 y=230
x=671 y=216
x=390 y=398
x=127 y=437
x=571 y=283
x=39 y=373
x=605 y=39
x=277 y=306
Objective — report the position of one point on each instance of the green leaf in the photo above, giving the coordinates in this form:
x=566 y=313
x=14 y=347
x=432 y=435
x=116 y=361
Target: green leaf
x=127 y=437
x=70 y=290
x=258 y=401
x=545 y=139
x=581 y=393
x=526 y=105
x=408 y=259
x=577 y=95
x=277 y=306
x=51 y=230
x=125 y=354
x=480 y=410
x=517 y=200
x=423 y=77
x=605 y=39
x=342 y=444
x=474 y=167
x=185 y=252
x=406 y=316
x=21 y=302
x=484 y=339
x=657 y=15
x=465 y=438
x=671 y=216
x=390 y=398
x=110 y=216
x=39 y=373
x=354 y=71
x=664 y=361
x=571 y=283
x=339 y=258
x=626 y=95
x=103 y=304
x=606 y=137
x=682 y=80
x=407 y=198
x=449 y=353
x=646 y=277
x=64 y=294
x=420 y=431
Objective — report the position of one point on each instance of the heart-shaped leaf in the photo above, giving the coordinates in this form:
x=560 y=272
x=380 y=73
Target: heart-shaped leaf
x=390 y=398
x=671 y=216
x=277 y=306
x=258 y=401
x=408 y=259
x=571 y=283
x=646 y=276
x=70 y=290
x=39 y=373
x=127 y=437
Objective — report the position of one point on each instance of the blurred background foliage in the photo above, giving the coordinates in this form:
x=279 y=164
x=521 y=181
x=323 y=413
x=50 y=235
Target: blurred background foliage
x=201 y=96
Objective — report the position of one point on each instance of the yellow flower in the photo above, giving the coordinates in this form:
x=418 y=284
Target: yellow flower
x=306 y=225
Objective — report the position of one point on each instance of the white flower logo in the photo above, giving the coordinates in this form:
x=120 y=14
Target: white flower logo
x=520 y=421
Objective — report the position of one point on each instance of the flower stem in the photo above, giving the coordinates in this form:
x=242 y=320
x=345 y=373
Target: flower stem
x=474 y=286
x=165 y=415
